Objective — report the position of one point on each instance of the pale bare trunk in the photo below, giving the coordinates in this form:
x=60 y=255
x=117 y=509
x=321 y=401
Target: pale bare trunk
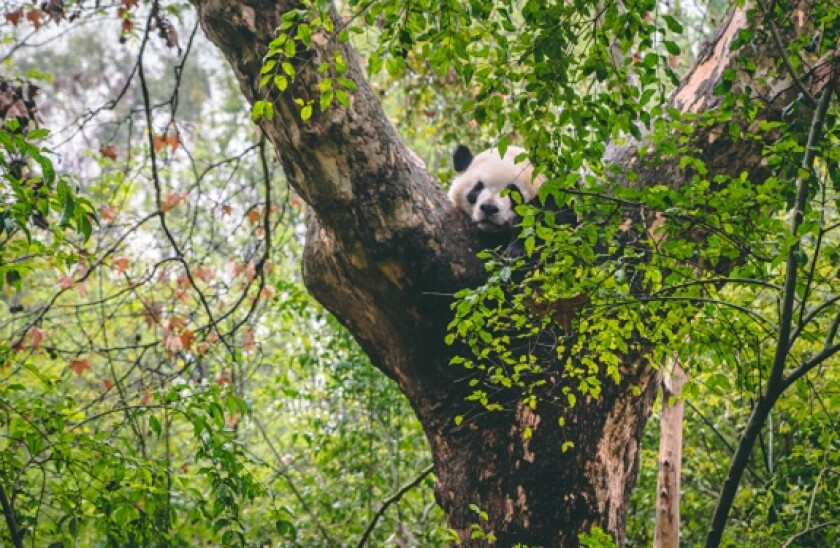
x=667 y=532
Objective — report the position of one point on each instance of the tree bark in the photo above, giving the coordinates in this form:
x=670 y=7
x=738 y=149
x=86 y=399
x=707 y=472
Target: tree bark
x=386 y=250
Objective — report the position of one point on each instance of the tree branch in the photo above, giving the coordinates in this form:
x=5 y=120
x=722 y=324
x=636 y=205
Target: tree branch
x=776 y=383
x=807 y=531
x=9 y=513
x=391 y=500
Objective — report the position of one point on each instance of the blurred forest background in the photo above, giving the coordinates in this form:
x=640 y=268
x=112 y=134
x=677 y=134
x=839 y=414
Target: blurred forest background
x=166 y=380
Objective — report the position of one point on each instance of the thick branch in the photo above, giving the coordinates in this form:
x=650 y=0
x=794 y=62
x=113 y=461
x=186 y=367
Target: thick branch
x=382 y=228
x=11 y=521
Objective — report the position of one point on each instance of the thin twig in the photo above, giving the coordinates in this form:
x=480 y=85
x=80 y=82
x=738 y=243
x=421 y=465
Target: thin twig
x=777 y=39
x=282 y=473
x=801 y=534
x=391 y=500
x=157 y=184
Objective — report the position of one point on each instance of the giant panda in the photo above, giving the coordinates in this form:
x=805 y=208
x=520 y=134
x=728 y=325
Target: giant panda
x=477 y=190
x=478 y=187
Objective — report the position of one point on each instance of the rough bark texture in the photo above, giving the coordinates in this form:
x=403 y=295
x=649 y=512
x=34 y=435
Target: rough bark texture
x=667 y=531
x=385 y=248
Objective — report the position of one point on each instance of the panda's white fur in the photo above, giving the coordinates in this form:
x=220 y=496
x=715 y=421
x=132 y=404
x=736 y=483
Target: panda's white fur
x=477 y=188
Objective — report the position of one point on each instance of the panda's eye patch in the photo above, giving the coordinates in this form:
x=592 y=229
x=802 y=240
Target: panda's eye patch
x=476 y=190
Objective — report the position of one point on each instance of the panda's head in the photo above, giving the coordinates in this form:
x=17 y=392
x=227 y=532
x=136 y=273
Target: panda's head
x=478 y=187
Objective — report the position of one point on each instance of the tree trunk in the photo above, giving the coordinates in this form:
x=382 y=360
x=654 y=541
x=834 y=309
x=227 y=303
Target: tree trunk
x=385 y=250
x=667 y=531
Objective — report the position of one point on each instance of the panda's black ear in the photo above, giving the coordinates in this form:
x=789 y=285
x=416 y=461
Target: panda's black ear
x=461 y=158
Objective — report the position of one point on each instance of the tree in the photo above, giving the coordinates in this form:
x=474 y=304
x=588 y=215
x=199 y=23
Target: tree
x=155 y=331
x=385 y=248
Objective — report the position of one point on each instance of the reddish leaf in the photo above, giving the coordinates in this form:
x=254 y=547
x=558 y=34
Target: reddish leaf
x=235 y=269
x=172 y=200
x=175 y=322
x=109 y=151
x=226 y=209
x=152 y=313
x=204 y=274
x=254 y=216
x=146 y=398
x=107 y=384
x=158 y=143
x=108 y=213
x=66 y=281
x=187 y=337
x=248 y=339
x=14 y=17
x=130 y=4
x=36 y=17
x=222 y=378
x=36 y=337
x=120 y=264
x=172 y=344
x=127 y=26
x=79 y=366
x=184 y=281
x=172 y=141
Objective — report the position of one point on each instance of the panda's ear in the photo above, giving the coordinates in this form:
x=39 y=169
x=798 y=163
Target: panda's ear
x=461 y=158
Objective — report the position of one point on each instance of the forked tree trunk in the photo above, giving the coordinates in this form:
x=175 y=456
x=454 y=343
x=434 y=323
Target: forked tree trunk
x=385 y=248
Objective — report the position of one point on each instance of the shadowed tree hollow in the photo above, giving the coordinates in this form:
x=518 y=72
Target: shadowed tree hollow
x=385 y=251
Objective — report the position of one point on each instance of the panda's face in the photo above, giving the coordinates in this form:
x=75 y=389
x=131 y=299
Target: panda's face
x=481 y=182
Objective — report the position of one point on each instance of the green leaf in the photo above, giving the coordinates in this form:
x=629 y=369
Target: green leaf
x=268 y=66
x=673 y=24
x=326 y=99
x=258 y=110
x=672 y=47
x=343 y=98
x=285 y=529
x=154 y=424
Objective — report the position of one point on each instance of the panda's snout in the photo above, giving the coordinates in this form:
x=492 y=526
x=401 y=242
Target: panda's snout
x=489 y=209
